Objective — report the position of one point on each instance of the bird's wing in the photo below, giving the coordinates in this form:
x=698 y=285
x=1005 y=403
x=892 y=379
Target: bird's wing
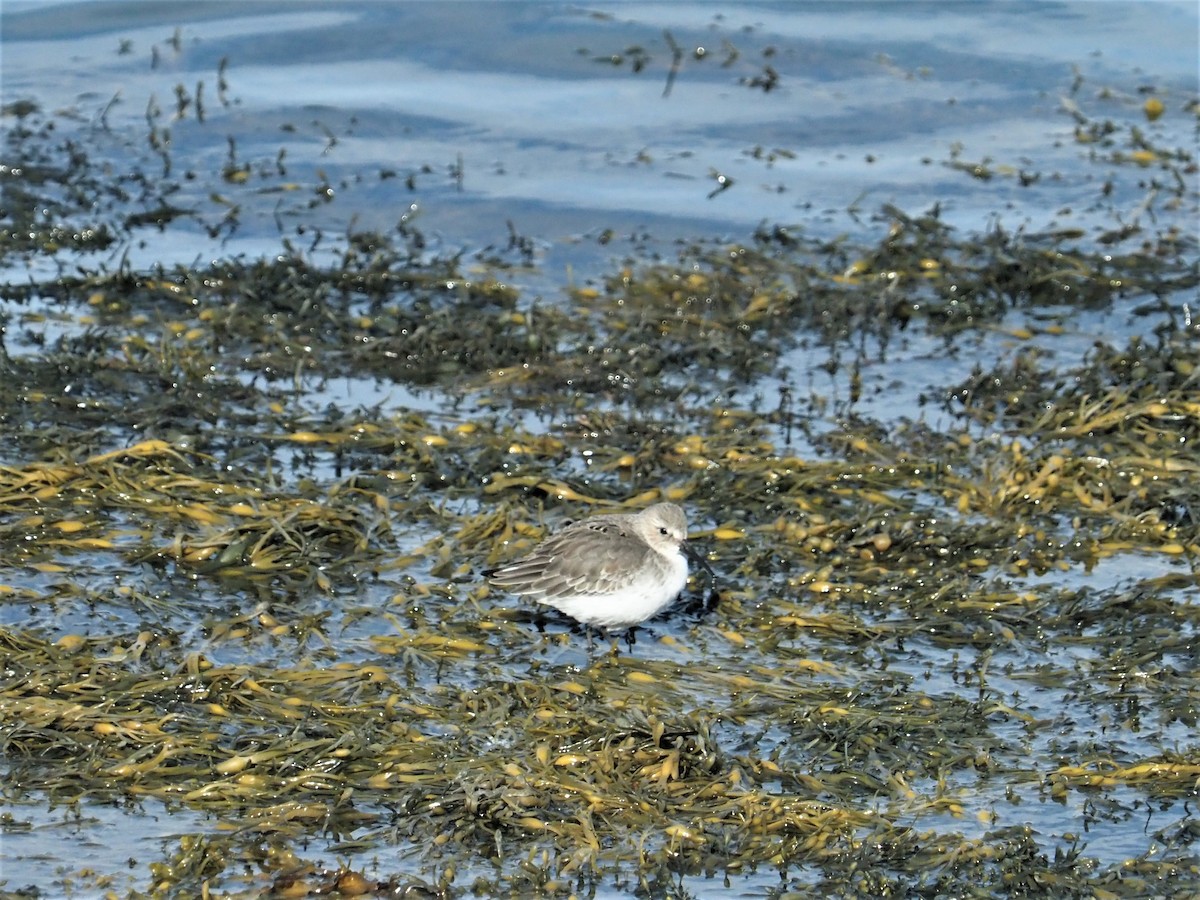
x=557 y=566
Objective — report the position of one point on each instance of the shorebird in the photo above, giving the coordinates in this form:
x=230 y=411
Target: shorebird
x=611 y=571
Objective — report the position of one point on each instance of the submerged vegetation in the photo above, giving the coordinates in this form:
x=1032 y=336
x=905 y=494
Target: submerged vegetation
x=945 y=651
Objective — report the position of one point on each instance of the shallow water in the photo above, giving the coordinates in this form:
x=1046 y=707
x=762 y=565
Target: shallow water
x=506 y=130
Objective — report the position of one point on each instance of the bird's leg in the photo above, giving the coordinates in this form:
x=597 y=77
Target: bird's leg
x=630 y=638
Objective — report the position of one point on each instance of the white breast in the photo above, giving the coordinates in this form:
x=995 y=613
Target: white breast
x=647 y=593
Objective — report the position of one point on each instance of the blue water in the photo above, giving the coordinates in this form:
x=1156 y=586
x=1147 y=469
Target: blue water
x=872 y=100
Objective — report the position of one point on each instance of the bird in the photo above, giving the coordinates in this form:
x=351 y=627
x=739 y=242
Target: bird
x=611 y=571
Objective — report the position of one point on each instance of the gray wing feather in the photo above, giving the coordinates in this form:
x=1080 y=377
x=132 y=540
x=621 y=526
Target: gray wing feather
x=559 y=566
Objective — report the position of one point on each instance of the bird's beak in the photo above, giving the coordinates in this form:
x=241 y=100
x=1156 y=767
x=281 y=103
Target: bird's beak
x=698 y=560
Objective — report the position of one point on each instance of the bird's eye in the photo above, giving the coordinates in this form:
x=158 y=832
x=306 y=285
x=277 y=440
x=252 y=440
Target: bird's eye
x=663 y=532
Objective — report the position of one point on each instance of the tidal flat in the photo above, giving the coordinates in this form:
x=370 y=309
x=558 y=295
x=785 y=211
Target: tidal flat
x=282 y=373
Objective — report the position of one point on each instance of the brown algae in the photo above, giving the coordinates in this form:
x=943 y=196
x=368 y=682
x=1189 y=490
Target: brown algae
x=224 y=598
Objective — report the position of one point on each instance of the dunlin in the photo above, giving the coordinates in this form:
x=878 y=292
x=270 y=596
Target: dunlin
x=611 y=571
